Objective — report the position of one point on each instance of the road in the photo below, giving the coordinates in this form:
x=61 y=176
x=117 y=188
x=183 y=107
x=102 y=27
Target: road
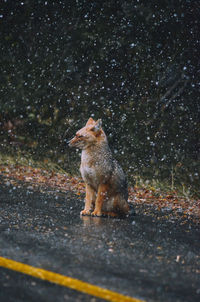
x=143 y=256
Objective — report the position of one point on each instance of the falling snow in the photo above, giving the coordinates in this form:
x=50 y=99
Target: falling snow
x=132 y=63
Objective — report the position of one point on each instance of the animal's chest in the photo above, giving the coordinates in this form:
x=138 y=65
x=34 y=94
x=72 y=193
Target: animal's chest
x=89 y=171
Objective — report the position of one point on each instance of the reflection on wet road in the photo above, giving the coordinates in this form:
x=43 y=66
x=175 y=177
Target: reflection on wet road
x=139 y=256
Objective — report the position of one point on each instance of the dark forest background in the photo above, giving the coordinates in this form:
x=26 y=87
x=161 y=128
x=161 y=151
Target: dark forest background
x=134 y=64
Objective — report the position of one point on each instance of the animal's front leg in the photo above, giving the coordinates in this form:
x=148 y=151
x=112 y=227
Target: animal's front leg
x=101 y=197
x=89 y=200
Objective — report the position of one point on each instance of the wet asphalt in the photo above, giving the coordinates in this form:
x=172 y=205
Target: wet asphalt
x=143 y=256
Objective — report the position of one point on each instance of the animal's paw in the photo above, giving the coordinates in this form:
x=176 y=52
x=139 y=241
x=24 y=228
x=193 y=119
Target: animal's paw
x=85 y=212
x=96 y=213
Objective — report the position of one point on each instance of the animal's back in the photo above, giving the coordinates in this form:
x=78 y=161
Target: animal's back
x=119 y=180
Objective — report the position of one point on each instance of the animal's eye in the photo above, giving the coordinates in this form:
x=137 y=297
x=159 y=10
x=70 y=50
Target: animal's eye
x=79 y=136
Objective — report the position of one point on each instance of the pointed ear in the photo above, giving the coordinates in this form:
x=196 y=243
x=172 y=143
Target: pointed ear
x=90 y=121
x=97 y=126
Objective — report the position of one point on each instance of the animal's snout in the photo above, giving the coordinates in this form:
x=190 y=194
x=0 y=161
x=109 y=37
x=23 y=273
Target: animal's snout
x=69 y=142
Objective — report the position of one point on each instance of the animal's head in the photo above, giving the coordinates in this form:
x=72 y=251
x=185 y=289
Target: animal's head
x=89 y=135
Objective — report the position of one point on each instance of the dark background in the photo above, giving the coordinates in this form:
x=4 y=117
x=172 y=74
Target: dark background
x=135 y=64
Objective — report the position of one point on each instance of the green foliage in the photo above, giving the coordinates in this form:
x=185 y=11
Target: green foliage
x=132 y=63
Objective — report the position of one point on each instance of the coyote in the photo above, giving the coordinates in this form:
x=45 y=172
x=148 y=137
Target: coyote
x=106 y=185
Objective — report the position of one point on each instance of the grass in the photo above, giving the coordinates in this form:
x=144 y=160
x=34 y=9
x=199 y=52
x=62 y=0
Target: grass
x=16 y=157
x=160 y=187
x=26 y=159
x=67 y=162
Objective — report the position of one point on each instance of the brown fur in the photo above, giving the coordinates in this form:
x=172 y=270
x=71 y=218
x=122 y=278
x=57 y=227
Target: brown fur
x=106 y=186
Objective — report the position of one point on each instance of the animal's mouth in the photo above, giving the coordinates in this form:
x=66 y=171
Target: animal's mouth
x=76 y=144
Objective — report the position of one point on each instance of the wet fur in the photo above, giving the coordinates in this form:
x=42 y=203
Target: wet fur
x=106 y=186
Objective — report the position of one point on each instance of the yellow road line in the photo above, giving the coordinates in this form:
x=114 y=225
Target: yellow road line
x=72 y=283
